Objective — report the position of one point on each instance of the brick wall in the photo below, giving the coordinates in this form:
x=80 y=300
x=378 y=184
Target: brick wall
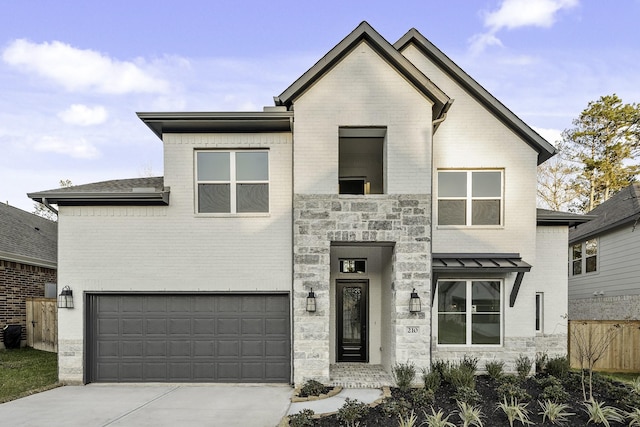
x=17 y=282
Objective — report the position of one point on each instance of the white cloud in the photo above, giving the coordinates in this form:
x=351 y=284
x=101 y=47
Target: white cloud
x=516 y=14
x=82 y=115
x=551 y=135
x=524 y=13
x=82 y=69
x=78 y=148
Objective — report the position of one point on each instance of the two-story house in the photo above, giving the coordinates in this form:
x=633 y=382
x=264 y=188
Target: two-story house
x=366 y=218
x=604 y=272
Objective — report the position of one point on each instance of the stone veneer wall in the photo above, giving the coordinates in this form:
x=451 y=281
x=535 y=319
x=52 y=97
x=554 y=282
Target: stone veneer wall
x=319 y=220
x=552 y=345
x=621 y=307
x=512 y=348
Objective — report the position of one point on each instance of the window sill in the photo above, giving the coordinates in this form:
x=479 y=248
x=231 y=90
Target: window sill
x=230 y=215
x=470 y=227
x=469 y=346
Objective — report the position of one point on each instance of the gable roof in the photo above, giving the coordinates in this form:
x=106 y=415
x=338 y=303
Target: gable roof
x=134 y=191
x=623 y=208
x=364 y=32
x=27 y=238
x=545 y=149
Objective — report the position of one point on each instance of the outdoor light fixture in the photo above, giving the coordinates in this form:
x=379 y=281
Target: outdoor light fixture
x=65 y=299
x=414 y=303
x=311 y=302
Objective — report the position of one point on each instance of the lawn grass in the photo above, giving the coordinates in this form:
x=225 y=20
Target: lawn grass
x=623 y=377
x=26 y=371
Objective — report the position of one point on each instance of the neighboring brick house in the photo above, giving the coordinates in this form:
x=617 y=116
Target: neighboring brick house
x=283 y=242
x=28 y=261
x=604 y=281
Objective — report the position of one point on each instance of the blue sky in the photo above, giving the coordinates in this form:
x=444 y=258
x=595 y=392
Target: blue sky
x=74 y=73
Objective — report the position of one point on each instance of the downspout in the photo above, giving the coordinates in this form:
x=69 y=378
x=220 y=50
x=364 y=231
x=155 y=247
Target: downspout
x=443 y=116
x=48 y=206
x=435 y=123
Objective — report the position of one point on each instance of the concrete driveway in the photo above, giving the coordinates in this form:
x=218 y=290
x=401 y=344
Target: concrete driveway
x=150 y=405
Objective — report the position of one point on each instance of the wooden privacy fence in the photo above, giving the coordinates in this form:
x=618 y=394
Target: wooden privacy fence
x=42 y=324
x=619 y=341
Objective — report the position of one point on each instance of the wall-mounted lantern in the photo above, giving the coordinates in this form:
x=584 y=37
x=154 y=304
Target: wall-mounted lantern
x=311 y=302
x=65 y=299
x=414 y=303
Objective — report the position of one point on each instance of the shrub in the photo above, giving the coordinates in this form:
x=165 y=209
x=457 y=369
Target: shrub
x=541 y=362
x=509 y=391
x=403 y=374
x=431 y=380
x=440 y=366
x=422 y=397
x=558 y=366
x=460 y=375
x=548 y=381
x=600 y=414
x=469 y=363
x=395 y=407
x=495 y=369
x=515 y=411
x=469 y=414
x=555 y=412
x=467 y=395
x=554 y=393
x=635 y=385
x=303 y=418
x=312 y=388
x=352 y=411
x=523 y=366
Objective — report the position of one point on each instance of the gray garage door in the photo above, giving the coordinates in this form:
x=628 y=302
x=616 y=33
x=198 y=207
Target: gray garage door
x=188 y=338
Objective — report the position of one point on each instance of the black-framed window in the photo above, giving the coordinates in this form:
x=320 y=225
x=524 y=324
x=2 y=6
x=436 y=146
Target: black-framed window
x=470 y=197
x=470 y=312
x=232 y=181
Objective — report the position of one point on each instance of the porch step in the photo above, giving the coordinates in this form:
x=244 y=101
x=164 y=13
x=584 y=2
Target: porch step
x=358 y=375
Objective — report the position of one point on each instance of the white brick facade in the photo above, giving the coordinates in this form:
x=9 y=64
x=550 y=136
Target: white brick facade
x=297 y=245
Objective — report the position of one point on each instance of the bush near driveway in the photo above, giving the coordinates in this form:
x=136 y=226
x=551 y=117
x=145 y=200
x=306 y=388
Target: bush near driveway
x=26 y=371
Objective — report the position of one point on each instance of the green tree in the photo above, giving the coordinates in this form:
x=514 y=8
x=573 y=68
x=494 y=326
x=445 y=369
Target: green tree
x=604 y=143
x=43 y=211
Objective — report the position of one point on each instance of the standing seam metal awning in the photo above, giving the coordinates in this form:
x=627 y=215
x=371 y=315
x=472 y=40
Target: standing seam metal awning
x=480 y=262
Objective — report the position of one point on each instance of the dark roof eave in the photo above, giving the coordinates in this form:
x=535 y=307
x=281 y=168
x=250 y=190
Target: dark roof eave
x=544 y=149
x=193 y=122
x=79 y=199
x=364 y=32
x=24 y=259
x=602 y=230
x=554 y=218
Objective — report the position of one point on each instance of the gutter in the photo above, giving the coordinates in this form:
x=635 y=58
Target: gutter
x=45 y=202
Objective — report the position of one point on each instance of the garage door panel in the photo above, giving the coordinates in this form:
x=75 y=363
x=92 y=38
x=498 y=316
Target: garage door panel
x=189 y=338
x=252 y=326
x=132 y=326
x=228 y=326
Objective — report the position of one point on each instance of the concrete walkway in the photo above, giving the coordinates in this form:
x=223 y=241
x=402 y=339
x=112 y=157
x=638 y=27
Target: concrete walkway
x=118 y=405
x=332 y=404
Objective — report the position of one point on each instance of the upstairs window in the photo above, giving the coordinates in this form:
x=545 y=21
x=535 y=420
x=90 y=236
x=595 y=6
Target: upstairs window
x=584 y=257
x=470 y=197
x=232 y=181
x=361 y=160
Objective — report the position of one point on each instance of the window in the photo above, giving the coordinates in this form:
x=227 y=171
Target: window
x=470 y=198
x=360 y=160
x=232 y=181
x=470 y=312
x=539 y=310
x=584 y=257
x=353 y=266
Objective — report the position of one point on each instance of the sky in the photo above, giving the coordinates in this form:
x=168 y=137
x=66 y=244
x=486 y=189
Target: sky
x=73 y=73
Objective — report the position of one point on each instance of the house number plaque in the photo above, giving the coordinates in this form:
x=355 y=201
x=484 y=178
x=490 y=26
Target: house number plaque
x=413 y=329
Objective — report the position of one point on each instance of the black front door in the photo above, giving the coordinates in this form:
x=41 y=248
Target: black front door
x=351 y=316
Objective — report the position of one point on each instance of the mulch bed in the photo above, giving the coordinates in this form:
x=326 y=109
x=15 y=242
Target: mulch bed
x=608 y=391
